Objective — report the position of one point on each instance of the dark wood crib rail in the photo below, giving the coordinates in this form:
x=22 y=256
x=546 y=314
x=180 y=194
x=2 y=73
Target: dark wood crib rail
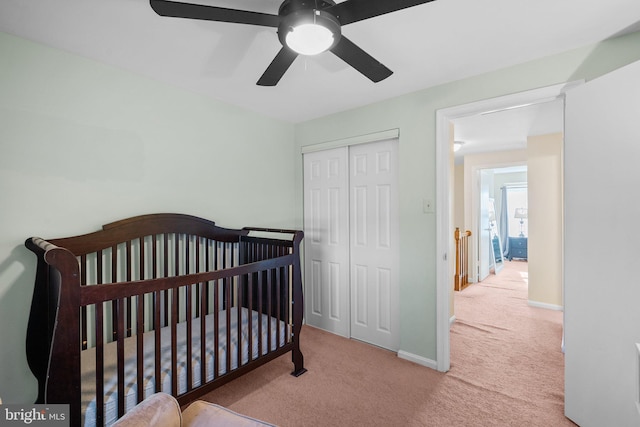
x=175 y=267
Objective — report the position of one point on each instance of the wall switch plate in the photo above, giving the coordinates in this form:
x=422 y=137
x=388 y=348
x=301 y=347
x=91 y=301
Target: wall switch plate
x=427 y=206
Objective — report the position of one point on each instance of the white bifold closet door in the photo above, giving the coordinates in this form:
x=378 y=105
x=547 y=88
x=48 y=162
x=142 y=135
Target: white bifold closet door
x=351 y=241
x=326 y=240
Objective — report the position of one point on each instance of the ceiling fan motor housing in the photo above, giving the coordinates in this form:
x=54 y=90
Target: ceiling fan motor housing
x=294 y=13
x=289 y=6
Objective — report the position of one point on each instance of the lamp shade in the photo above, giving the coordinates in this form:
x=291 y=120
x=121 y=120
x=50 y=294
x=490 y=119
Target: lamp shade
x=520 y=213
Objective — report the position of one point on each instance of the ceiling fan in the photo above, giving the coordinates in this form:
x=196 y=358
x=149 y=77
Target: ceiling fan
x=305 y=27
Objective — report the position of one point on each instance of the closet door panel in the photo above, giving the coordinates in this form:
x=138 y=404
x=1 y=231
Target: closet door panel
x=326 y=243
x=374 y=243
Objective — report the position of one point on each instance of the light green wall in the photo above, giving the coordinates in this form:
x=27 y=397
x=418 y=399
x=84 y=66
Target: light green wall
x=414 y=115
x=83 y=144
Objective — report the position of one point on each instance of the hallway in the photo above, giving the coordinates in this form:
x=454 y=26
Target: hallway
x=508 y=349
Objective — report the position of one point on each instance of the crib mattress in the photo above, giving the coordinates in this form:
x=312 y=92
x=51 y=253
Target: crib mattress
x=213 y=356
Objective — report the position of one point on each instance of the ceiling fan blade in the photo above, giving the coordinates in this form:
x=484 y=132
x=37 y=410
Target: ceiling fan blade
x=357 y=10
x=278 y=67
x=360 y=60
x=212 y=13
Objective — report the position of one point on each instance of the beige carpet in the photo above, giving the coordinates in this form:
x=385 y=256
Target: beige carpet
x=507 y=370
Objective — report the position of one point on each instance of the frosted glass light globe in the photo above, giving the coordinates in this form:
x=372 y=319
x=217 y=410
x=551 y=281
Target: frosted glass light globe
x=309 y=39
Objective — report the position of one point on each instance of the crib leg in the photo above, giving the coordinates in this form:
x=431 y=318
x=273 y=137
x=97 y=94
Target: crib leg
x=298 y=315
x=298 y=363
x=297 y=357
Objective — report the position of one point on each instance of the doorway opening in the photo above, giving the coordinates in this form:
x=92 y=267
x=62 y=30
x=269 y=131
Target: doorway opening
x=445 y=171
x=503 y=225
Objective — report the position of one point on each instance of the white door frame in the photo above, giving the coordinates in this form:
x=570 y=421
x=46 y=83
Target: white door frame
x=471 y=187
x=444 y=242
x=483 y=231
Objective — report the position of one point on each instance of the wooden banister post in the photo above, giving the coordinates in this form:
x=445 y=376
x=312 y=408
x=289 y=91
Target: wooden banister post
x=461 y=278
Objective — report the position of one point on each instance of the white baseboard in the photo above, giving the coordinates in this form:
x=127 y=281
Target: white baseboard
x=545 y=305
x=452 y=320
x=418 y=359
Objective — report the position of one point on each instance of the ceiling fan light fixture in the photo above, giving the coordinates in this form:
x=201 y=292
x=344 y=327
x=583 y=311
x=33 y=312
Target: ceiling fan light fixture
x=309 y=32
x=309 y=39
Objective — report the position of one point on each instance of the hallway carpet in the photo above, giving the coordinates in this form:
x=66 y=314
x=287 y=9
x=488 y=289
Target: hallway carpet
x=506 y=370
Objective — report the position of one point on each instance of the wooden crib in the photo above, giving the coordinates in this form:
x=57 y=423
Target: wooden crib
x=162 y=302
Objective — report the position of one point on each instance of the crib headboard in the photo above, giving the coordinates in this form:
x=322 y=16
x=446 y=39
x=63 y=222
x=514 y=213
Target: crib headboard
x=158 y=251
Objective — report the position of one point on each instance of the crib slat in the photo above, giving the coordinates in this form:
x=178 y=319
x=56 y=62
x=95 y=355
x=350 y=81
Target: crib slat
x=203 y=334
x=140 y=320
x=154 y=274
x=197 y=270
x=157 y=295
x=287 y=307
x=128 y=278
x=177 y=267
x=119 y=315
x=239 y=324
x=189 y=337
x=250 y=320
x=83 y=309
x=188 y=312
x=228 y=325
x=141 y=260
x=114 y=279
x=99 y=263
x=187 y=253
x=154 y=256
x=156 y=315
x=277 y=313
x=166 y=274
x=224 y=255
x=207 y=266
x=99 y=364
x=269 y=307
x=217 y=363
x=140 y=346
x=225 y=295
x=260 y=335
x=174 y=343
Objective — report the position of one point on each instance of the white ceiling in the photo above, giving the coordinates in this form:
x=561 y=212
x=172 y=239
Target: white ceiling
x=507 y=129
x=426 y=45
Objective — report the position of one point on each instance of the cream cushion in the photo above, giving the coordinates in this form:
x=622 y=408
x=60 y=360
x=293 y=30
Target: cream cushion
x=202 y=414
x=163 y=410
x=159 y=409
